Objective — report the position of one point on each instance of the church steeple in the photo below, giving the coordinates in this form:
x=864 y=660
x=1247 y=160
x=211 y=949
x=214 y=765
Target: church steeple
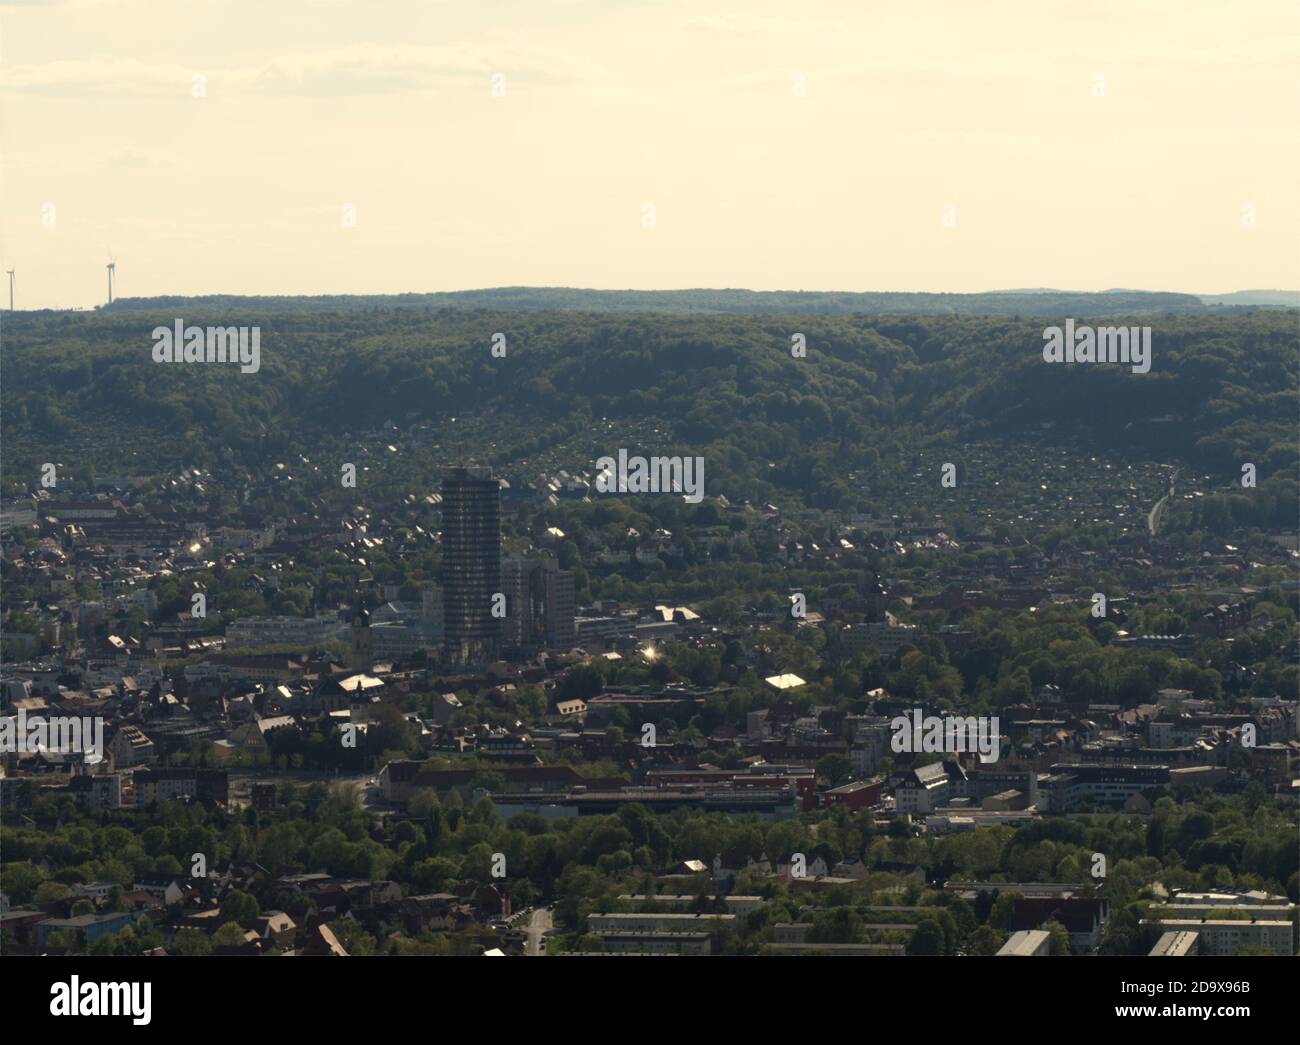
x=361 y=653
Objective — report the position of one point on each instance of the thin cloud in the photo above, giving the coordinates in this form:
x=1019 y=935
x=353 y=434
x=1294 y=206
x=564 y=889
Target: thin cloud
x=354 y=70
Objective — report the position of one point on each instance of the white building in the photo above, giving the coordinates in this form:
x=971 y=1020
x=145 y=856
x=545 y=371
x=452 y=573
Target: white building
x=1028 y=943
x=1226 y=936
x=923 y=790
x=252 y=632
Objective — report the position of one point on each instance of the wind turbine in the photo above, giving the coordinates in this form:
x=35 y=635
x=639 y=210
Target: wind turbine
x=10 y=274
x=112 y=267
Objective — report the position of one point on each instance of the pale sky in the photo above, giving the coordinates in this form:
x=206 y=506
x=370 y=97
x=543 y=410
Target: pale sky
x=800 y=146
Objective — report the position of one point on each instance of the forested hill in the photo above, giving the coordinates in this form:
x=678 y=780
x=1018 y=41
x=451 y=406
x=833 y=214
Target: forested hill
x=750 y=302
x=1221 y=388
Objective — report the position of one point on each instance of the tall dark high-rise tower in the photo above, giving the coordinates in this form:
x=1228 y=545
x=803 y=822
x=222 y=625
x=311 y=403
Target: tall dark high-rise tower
x=471 y=564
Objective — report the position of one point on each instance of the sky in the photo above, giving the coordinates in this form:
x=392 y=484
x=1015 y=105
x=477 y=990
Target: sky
x=386 y=146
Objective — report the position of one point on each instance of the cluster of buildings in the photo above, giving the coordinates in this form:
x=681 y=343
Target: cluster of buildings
x=321 y=905
x=94 y=559
x=493 y=604
x=1222 y=923
x=495 y=624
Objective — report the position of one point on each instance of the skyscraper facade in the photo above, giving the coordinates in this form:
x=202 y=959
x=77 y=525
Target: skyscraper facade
x=540 y=604
x=471 y=564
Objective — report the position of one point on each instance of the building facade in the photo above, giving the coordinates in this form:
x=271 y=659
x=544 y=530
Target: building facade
x=539 y=604
x=471 y=564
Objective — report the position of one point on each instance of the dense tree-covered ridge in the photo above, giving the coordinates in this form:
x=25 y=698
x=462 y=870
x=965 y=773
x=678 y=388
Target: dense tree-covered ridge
x=1221 y=388
x=1014 y=302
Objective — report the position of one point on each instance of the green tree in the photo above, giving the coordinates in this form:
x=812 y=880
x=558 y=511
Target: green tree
x=1058 y=938
x=928 y=938
x=192 y=942
x=229 y=935
x=984 y=941
x=239 y=906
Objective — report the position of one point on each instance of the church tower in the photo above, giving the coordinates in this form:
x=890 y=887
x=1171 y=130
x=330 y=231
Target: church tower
x=361 y=655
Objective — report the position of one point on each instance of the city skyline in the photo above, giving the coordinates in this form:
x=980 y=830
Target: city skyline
x=414 y=544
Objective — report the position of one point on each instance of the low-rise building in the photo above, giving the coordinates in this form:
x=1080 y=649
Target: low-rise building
x=1228 y=936
x=162 y=785
x=923 y=790
x=657 y=943
x=734 y=904
x=1032 y=943
x=665 y=922
x=89 y=926
x=1176 y=945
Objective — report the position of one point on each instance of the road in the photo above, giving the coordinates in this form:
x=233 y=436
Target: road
x=1153 y=517
x=362 y=787
x=540 y=922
